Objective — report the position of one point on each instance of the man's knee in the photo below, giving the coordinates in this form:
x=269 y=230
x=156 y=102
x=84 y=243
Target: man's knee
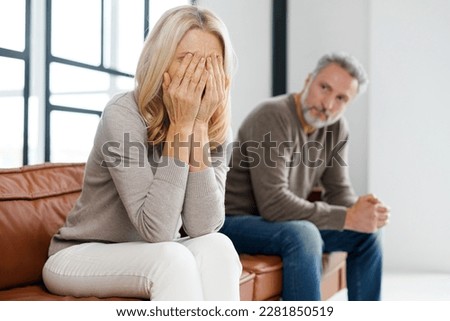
x=375 y=240
x=303 y=235
x=369 y=243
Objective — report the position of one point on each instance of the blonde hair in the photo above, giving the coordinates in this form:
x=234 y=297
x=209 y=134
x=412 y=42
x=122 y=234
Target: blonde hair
x=156 y=57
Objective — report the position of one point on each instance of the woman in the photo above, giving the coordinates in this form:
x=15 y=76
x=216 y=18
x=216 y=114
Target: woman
x=156 y=165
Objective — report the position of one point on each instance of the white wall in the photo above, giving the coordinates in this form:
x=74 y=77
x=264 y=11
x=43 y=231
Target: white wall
x=316 y=27
x=409 y=141
x=250 y=25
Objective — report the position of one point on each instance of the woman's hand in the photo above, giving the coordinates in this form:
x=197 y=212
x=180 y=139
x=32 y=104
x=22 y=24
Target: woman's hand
x=182 y=95
x=216 y=91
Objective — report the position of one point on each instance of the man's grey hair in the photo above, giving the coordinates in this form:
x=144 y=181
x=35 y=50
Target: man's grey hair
x=348 y=63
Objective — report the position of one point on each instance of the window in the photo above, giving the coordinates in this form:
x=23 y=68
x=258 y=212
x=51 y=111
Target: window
x=87 y=63
x=14 y=88
x=89 y=51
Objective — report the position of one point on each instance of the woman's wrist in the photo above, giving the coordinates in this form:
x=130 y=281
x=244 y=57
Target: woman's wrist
x=200 y=125
x=184 y=128
x=177 y=144
x=199 y=158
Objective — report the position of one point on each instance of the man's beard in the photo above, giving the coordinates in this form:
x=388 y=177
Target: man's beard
x=316 y=122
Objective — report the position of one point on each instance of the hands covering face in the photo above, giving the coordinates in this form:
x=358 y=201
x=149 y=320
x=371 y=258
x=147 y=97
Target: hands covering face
x=197 y=89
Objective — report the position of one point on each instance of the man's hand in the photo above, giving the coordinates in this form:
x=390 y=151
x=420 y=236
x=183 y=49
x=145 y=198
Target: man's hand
x=367 y=215
x=383 y=213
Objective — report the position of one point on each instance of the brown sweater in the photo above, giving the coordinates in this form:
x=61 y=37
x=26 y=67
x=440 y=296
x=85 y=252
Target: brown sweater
x=275 y=165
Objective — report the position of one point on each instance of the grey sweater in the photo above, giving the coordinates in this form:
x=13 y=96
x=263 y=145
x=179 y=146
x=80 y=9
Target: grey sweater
x=275 y=165
x=132 y=193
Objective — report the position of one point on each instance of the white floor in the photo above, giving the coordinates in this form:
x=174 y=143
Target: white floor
x=411 y=287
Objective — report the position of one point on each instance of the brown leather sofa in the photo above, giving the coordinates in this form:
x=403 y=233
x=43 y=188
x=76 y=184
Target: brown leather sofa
x=34 y=202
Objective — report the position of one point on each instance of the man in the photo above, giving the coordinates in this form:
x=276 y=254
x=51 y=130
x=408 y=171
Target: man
x=287 y=146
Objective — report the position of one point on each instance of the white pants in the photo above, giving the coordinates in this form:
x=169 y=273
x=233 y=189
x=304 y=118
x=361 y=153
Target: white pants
x=202 y=268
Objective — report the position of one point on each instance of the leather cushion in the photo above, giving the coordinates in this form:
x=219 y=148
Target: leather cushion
x=247 y=284
x=333 y=261
x=268 y=275
x=39 y=293
x=27 y=196
x=268 y=272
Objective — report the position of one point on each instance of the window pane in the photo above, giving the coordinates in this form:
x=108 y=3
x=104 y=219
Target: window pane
x=72 y=136
x=83 y=101
x=76 y=30
x=84 y=88
x=68 y=79
x=124 y=34
x=11 y=74
x=12 y=24
x=11 y=131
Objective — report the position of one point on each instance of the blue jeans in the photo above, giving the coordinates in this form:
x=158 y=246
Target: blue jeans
x=300 y=245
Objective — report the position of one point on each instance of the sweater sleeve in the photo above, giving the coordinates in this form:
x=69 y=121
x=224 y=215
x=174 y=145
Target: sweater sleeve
x=269 y=173
x=204 y=205
x=153 y=202
x=336 y=177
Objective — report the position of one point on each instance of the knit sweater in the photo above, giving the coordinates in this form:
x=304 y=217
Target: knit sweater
x=275 y=166
x=133 y=193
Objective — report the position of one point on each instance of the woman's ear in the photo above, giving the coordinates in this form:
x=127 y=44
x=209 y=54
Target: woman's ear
x=166 y=80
